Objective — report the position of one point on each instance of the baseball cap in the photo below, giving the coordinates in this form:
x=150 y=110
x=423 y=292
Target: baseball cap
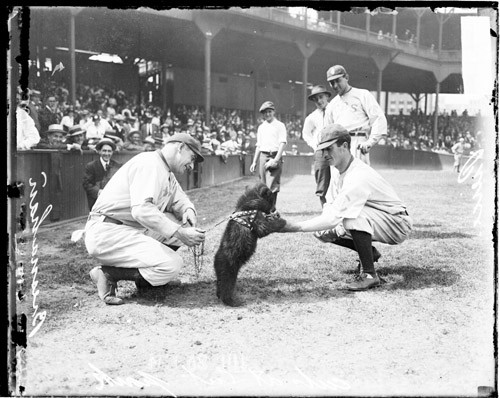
x=266 y=105
x=331 y=134
x=335 y=72
x=191 y=142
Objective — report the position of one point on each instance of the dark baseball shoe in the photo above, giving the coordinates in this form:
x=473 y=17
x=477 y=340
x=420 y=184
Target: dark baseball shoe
x=364 y=282
x=105 y=288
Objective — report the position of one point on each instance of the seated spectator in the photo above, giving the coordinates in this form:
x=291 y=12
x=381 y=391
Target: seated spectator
x=54 y=138
x=206 y=148
x=149 y=144
x=214 y=142
x=111 y=135
x=231 y=146
x=133 y=142
x=27 y=133
x=76 y=138
x=68 y=119
x=98 y=127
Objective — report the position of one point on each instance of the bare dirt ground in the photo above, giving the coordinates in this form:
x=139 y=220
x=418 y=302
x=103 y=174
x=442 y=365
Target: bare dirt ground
x=428 y=331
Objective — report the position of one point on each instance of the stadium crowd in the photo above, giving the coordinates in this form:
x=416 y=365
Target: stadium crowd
x=109 y=112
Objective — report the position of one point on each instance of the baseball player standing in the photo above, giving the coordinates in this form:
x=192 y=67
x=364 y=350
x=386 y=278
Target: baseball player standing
x=271 y=142
x=357 y=110
x=141 y=218
x=366 y=209
x=313 y=124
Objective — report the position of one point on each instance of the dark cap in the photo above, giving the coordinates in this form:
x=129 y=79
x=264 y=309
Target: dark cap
x=330 y=134
x=319 y=90
x=266 y=105
x=105 y=141
x=335 y=72
x=191 y=142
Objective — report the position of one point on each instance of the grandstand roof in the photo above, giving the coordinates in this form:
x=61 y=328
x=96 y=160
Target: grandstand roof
x=246 y=44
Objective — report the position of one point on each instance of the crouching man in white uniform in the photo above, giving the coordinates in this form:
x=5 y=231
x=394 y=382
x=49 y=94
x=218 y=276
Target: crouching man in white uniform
x=365 y=209
x=141 y=218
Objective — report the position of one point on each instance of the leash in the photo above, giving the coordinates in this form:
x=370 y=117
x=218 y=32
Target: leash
x=245 y=218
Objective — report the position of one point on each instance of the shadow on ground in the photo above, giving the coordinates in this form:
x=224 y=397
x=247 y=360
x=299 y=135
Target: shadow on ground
x=430 y=234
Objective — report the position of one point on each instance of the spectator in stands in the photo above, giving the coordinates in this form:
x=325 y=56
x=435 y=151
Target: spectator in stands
x=34 y=105
x=76 y=137
x=54 y=139
x=231 y=146
x=27 y=133
x=133 y=142
x=49 y=114
x=119 y=127
x=271 y=142
x=68 y=119
x=99 y=171
x=313 y=124
x=98 y=127
x=149 y=144
x=148 y=128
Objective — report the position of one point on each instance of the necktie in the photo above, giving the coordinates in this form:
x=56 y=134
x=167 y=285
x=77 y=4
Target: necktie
x=149 y=129
x=106 y=167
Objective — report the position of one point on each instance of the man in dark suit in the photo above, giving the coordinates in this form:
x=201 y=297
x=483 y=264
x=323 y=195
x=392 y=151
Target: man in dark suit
x=99 y=171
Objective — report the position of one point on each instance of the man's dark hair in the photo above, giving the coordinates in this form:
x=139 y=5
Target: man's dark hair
x=341 y=140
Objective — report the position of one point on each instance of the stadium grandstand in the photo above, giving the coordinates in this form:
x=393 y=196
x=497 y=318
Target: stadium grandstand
x=207 y=72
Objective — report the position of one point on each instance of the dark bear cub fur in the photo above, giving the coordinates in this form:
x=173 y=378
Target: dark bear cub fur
x=239 y=242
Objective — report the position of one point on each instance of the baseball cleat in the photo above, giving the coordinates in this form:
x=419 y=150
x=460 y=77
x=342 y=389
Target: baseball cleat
x=364 y=282
x=105 y=288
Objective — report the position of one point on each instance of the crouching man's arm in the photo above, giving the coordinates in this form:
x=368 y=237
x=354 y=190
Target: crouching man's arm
x=315 y=224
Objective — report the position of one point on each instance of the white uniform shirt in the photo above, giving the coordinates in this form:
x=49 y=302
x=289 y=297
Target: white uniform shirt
x=313 y=124
x=270 y=136
x=98 y=131
x=144 y=178
x=358 y=109
x=27 y=133
x=361 y=186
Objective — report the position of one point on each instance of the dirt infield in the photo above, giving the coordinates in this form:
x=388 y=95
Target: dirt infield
x=427 y=331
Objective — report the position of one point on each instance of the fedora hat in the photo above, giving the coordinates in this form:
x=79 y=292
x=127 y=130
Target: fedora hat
x=132 y=132
x=266 y=105
x=55 y=128
x=191 y=142
x=318 y=90
x=105 y=141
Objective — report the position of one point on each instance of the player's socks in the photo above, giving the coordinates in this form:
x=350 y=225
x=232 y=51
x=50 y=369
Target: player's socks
x=363 y=243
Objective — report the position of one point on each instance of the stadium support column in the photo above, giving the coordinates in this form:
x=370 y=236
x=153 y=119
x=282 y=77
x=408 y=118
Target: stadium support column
x=73 y=13
x=209 y=29
x=208 y=86
x=440 y=75
x=307 y=49
x=381 y=60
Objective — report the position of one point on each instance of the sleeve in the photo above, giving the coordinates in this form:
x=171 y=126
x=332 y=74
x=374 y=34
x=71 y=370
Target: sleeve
x=282 y=133
x=307 y=132
x=329 y=114
x=28 y=135
x=377 y=119
x=89 y=181
x=145 y=196
x=259 y=138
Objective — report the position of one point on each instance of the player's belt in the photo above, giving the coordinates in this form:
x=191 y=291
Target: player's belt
x=270 y=153
x=112 y=220
x=357 y=133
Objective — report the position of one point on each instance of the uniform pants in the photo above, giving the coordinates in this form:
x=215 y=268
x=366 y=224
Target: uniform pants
x=322 y=174
x=128 y=247
x=383 y=227
x=271 y=178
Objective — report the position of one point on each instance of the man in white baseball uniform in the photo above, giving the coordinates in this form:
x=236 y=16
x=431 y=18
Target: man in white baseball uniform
x=313 y=124
x=366 y=208
x=357 y=110
x=271 y=142
x=141 y=218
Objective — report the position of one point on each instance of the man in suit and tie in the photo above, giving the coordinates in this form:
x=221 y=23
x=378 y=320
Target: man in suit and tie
x=99 y=171
x=148 y=128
